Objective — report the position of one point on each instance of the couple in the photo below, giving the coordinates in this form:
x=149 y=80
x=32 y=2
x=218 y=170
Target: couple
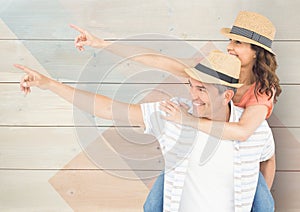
x=227 y=182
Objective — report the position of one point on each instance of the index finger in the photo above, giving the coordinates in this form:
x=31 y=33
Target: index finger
x=184 y=105
x=77 y=28
x=23 y=68
x=174 y=104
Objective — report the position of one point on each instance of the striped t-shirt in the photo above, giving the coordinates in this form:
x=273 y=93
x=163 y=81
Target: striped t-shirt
x=177 y=142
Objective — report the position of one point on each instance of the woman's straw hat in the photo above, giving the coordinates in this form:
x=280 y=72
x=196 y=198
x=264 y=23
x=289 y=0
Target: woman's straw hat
x=217 y=68
x=252 y=28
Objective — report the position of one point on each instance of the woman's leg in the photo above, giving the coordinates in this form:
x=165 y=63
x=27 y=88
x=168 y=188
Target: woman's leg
x=154 y=201
x=263 y=199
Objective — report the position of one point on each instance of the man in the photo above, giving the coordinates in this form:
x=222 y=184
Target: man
x=227 y=180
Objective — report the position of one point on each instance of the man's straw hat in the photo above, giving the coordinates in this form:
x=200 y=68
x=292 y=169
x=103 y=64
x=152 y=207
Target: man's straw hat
x=252 y=28
x=217 y=68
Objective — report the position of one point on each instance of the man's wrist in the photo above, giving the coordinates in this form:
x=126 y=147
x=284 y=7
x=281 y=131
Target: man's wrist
x=102 y=44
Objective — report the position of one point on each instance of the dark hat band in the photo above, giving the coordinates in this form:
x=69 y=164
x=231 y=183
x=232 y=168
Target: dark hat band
x=251 y=35
x=216 y=74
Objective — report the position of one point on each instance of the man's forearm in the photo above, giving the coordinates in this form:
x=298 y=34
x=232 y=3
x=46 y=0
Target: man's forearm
x=268 y=169
x=94 y=104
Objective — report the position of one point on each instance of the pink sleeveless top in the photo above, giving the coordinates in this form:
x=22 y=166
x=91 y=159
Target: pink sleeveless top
x=249 y=99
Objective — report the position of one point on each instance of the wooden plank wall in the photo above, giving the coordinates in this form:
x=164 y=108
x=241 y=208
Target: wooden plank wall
x=55 y=158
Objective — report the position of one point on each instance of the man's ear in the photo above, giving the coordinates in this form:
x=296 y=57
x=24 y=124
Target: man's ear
x=228 y=95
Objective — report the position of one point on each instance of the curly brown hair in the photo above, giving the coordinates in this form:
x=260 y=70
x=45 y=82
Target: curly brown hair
x=264 y=72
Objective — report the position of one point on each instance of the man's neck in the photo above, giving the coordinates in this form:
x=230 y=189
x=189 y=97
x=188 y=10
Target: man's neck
x=223 y=114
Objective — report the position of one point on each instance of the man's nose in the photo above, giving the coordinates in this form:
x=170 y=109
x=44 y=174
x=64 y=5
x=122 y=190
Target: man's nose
x=193 y=93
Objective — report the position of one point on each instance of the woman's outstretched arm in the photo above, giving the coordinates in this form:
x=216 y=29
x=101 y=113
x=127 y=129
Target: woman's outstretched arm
x=139 y=54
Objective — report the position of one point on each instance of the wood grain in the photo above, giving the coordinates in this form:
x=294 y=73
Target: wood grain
x=52 y=157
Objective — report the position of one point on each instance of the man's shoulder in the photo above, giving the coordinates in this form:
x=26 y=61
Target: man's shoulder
x=238 y=112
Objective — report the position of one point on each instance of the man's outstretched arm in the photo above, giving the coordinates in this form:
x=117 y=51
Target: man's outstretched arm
x=96 y=104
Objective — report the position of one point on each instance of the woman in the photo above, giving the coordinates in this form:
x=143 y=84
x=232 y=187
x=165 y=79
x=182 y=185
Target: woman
x=250 y=40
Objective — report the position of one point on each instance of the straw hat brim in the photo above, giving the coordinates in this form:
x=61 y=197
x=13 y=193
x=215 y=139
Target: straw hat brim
x=226 y=32
x=205 y=78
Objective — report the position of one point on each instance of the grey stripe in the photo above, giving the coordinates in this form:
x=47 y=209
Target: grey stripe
x=216 y=74
x=252 y=35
